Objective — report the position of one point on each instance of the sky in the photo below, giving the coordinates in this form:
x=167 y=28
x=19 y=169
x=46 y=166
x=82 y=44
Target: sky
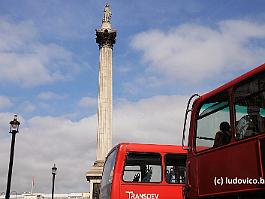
x=165 y=51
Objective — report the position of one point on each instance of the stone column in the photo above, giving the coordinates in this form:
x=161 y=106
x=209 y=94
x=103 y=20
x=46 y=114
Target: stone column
x=105 y=37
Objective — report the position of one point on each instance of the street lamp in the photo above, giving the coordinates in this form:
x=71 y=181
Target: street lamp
x=54 y=169
x=14 y=125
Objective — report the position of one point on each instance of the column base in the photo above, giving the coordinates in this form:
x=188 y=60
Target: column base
x=94 y=176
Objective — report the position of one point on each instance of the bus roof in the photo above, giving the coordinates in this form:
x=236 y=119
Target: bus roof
x=233 y=82
x=152 y=148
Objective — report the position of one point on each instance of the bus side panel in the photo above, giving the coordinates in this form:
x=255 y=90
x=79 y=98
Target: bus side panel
x=191 y=188
x=227 y=169
x=152 y=191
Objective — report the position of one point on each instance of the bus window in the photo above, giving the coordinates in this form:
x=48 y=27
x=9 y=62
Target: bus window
x=142 y=167
x=175 y=168
x=250 y=108
x=108 y=174
x=211 y=115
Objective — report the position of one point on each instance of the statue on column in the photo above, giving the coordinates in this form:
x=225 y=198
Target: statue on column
x=107 y=14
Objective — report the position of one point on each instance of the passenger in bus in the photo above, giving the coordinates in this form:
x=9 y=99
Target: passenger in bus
x=168 y=179
x=148 y=175
x=180 y=174
x=172 y=175
x=176 y=174
x=136 y=177
x=223 y=136
x=255 y=122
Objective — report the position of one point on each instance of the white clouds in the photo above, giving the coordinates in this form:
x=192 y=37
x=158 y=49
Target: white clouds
x=198 y=52
x=28 y=62
x=16 y=36
x=154 y=120
x=5 y=102
x=48 y=95
x=27 y=107
x=88 y=102
x=43 y=141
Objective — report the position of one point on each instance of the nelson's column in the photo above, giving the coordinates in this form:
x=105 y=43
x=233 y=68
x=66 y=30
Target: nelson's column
x=105 y=37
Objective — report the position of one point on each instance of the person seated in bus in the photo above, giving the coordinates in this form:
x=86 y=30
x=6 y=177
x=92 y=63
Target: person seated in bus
x=168 y=177
x=136 y=177
x=223 y=136
x=180 y=174
x=255 y=122
x=172 y=176
x=148 y=175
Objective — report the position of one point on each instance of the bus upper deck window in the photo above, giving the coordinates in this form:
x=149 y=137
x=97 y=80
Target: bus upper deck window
x=213 y=113
x=142 y=167
x=175 y=168
x=250 y=107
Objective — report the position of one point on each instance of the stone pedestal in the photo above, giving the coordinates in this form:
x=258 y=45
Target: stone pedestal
x=94 y=176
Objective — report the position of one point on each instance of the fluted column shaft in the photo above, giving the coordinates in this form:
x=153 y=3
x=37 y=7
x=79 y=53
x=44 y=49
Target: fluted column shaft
x=104 y=134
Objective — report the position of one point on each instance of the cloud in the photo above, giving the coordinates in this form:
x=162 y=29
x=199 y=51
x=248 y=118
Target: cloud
x=27 y=107
x=49 y=96
x=88 y=102
x=26 y=61
x=71 y=145
x=43 y=141
x=157 y=119
x=5 y=102
x=199 y=53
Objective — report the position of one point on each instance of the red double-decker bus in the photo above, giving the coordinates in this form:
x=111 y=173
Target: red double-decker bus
x=226 y=143
x=144 y=171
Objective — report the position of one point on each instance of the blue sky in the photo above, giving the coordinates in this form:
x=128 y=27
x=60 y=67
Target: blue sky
x=165 y=51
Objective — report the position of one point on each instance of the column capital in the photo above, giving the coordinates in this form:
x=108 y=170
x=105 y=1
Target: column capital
x=105 y=37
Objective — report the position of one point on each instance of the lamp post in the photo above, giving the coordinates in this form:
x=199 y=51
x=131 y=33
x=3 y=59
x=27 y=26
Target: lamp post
x=54 y=169
x=14 y=125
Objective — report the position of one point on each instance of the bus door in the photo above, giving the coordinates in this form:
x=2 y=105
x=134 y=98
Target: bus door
x=209 y=162
x=146 y=176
